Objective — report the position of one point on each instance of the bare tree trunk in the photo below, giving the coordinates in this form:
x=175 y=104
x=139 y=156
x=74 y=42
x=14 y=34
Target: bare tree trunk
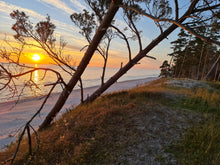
x=175 y=71
x=200 y=61
x=81 y=89
x=216 y=72
x=113 y=8
x=204 y=67
x=181 y=68
x=103 y=71
x=105 y=62
x=212 y=68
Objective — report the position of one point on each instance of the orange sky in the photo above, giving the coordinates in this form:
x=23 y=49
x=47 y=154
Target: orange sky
x=114 y=61
x=70 y=33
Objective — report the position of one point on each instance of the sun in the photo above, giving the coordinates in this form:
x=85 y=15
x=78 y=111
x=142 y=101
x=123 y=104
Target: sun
x=36 y=57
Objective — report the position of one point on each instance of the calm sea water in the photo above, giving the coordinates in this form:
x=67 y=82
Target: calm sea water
x=91 y=77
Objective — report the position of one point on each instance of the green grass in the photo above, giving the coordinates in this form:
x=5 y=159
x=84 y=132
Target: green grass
x=97 y=133
x=201 y=144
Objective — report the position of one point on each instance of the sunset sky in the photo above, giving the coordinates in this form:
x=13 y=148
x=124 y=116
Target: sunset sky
x=60 y=11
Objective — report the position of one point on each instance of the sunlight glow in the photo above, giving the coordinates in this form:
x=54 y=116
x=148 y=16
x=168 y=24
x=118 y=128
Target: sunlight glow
x=36 y=57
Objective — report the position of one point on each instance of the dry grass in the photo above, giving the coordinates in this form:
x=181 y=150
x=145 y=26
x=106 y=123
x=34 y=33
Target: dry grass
x=129 y=127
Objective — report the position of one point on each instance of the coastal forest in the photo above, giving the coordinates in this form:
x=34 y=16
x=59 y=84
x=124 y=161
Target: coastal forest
x=192 y=57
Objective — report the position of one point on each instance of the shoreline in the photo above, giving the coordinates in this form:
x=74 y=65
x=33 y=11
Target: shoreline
x=57 y=93
x=14 y=117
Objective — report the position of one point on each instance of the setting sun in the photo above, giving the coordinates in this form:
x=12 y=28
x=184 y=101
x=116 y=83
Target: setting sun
x=36 y=57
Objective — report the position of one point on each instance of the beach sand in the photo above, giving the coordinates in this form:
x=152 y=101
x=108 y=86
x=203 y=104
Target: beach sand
x=13 y=117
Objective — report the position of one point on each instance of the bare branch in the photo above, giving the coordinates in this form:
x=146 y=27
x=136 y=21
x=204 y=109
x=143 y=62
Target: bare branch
x=126 y=40
x=28 y=123
x=176 y=23
x=150 y=57
x=206 y=8
x=176 y=10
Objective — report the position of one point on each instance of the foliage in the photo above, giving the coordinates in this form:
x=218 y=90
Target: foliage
x=165 y=69
x=192 y=57
x=24 y=29
x=85 y=21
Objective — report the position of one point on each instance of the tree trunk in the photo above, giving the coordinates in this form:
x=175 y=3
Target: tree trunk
x=113 y=8
x=212 y=70
x=216 y=72
x=204 y=66
x=186 y=51
x=200 y=61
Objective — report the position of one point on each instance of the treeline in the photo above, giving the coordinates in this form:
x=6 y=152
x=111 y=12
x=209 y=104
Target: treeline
x=192 y=57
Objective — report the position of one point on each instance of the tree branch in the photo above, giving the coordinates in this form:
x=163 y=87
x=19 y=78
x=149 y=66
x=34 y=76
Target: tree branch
x=126 y=40
x=176 y=10
x=206 y=8
x=174 y=22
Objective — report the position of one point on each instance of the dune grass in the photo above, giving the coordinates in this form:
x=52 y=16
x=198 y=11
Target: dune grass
x=201 y=144
x=98 y=132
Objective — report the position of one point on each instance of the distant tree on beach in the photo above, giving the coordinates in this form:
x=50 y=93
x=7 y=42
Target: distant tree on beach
x=165 y=69
x=159 y=11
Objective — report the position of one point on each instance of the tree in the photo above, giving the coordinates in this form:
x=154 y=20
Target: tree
x=165 y=69
x=195 y=7
x=42 y=33
x=178 y=53
x=191 y=55
x=113 y=8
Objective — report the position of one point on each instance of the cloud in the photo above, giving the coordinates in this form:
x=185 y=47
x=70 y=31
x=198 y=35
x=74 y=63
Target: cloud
x=58 y=4
x=63 y=29
x=78 y=5
x=7 y=8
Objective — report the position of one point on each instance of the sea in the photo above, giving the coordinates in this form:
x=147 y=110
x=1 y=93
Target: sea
x=39 y=82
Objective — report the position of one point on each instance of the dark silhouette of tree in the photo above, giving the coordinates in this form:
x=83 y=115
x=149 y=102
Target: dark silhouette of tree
x=178 y=53
x=165 y=69
x=191 y=56
x=193 y=8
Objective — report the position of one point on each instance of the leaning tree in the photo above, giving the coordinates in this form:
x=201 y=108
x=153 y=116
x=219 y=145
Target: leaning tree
x=159 y=12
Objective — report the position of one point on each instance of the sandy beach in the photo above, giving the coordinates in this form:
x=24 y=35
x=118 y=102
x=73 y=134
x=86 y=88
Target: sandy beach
x=13 y=117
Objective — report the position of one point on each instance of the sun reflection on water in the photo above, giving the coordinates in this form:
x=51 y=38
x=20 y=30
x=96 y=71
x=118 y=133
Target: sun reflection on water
x=36 y=75
x=36 y=88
